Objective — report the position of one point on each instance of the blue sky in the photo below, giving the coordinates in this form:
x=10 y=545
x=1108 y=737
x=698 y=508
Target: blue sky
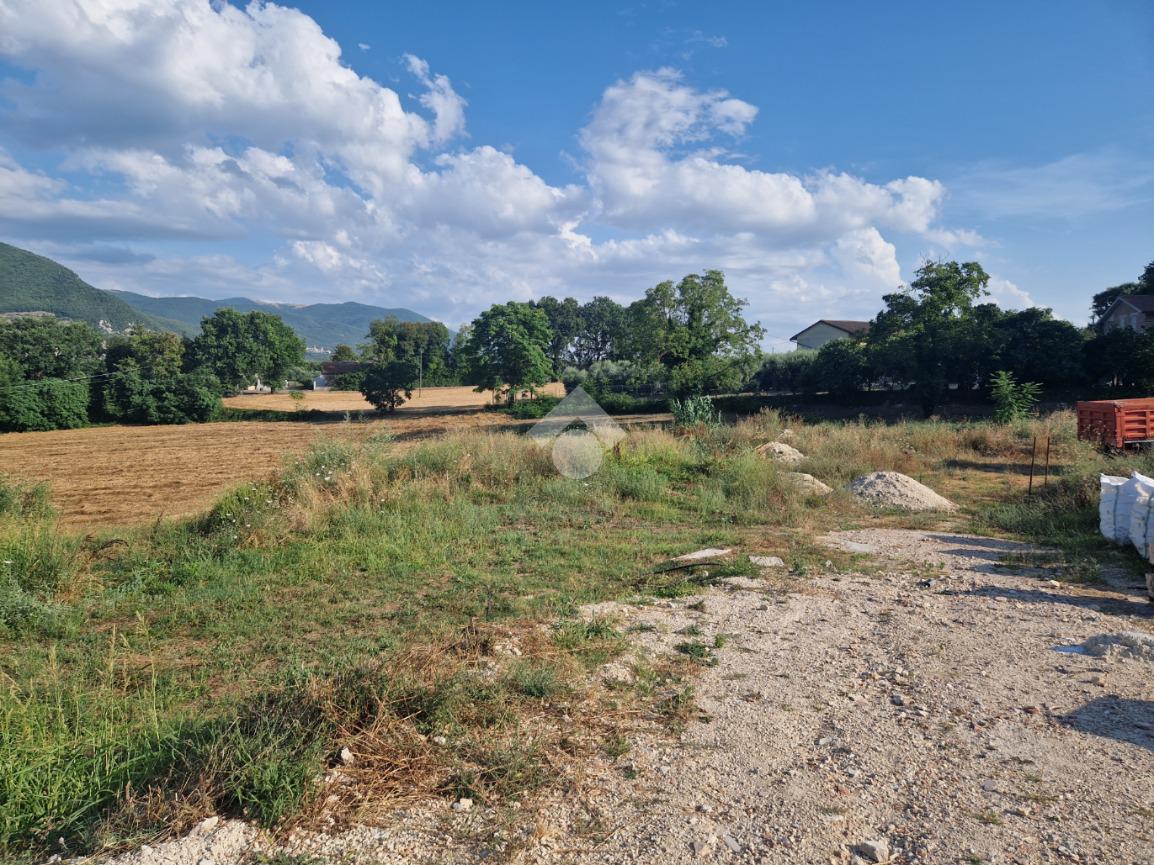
x=447 y=156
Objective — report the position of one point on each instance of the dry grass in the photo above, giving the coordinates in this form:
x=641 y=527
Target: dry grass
x=129 y=475
x=431 y=400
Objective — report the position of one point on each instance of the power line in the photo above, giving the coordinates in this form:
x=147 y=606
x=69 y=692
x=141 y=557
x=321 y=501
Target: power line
x=34 y=382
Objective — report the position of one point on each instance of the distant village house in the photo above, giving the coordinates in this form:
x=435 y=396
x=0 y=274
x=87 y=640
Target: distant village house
x=1131 y=311
x=827 y=330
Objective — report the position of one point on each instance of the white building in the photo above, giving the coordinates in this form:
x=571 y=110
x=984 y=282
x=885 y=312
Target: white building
x=827 y=330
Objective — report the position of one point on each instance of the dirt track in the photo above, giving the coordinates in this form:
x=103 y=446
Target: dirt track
x=938 y=718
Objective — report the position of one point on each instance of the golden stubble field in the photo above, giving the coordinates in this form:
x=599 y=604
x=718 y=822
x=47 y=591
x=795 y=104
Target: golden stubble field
x=104 y=477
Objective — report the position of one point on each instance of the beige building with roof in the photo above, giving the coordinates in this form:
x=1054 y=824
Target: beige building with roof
x=827 y=330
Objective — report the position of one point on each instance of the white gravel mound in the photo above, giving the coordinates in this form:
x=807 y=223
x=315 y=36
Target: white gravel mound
x=895 y=490
x=1128 y=644
x=212 y=840
x=780 y=452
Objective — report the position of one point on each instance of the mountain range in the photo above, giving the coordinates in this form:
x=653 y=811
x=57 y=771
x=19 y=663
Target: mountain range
x=33 y=283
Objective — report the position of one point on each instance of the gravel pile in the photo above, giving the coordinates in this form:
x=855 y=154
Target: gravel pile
x=212 y=840
x=1129 y=644
x=895 y=490
x=809 y=484
x=780 y=452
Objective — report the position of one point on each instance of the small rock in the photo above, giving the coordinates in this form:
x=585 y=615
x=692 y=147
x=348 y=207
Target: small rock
x=731 y=843
x=440 y=740
x=875 y=851
x=347 y=757
x=702 y=846
x=704 y=555
x=616 y=674
x=767 y=561
x=897 y=699
x=463 y=805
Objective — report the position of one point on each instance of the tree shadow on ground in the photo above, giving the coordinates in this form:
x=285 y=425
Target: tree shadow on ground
x=1137 y=605
x=1119 y=718
x=987 y=555
x=1003 y=468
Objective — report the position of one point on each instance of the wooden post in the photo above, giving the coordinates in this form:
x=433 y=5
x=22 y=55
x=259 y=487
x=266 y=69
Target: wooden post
x=1046 y=474
x=1033 y=459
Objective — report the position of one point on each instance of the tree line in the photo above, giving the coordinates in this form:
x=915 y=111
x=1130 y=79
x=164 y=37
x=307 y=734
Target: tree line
x=57 y=374
x=936 y=336
x=679 y=339
x=686 y=338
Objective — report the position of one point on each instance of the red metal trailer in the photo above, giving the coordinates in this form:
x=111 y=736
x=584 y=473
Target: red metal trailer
x=1116 y=423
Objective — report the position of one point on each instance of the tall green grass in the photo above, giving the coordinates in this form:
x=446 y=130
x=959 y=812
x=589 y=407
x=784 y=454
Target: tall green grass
x=36 y=560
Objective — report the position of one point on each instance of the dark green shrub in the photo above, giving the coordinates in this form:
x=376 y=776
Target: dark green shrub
x=530 y=409
x=46 y=404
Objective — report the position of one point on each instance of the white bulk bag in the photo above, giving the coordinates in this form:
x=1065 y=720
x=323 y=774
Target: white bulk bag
x=1140 y=514
x=1108 y=510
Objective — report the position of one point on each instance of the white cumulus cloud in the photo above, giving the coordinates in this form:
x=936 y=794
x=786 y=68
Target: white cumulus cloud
x=209 y=122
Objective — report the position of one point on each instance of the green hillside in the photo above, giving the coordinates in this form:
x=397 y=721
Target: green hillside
x=319 y=324
x=33 y=283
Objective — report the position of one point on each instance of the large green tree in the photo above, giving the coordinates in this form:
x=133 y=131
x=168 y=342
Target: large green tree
x=697 y=331
x=841 y=367
x=425 y=344
x=1122 y=359
x=1036 y=347
x=46 y=347
x=237 y=347
x=44 y=404
x=144 y=382
x=387 y=385
x=47 y=368
x=602 y=336
x=565 y=324
x=508 y=350
x=926 y=335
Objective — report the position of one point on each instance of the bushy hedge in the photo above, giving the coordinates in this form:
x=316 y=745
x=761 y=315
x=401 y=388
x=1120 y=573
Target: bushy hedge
x=130 y=397
x=45 y=404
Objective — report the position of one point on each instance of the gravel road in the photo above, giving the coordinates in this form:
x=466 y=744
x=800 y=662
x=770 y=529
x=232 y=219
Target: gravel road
x=922 y=711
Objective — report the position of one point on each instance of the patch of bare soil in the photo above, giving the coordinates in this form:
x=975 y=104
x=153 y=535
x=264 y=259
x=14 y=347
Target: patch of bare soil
x=917 y=711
